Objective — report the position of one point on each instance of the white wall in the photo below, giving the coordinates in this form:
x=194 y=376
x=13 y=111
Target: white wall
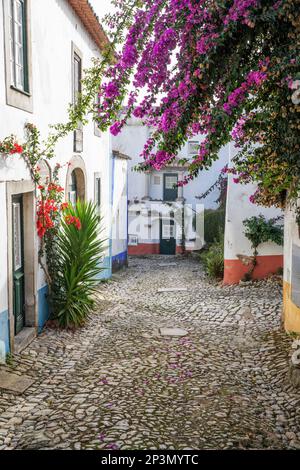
x=238 y=209
x=54 y=26
x=3 y=255
x=119 y=209
x=291 y=237
x=131 y=142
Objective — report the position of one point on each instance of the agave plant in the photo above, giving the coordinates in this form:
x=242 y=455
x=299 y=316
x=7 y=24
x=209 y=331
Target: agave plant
x=80 y=250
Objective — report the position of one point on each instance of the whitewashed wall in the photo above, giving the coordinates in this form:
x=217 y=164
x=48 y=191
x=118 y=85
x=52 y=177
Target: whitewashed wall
x=238 y=209
x=119 y=208
x=131 y=142
x=54 y=27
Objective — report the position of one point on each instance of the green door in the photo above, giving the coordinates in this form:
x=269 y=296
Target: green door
x=18 y=263
x=170 y=188
x=167 y=237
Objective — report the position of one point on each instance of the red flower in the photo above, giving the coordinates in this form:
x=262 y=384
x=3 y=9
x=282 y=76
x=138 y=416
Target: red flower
x=16 y=149
x=55 y=187
x=64 y=206
x=46 y=209
x=72 y=220
x=77 y=223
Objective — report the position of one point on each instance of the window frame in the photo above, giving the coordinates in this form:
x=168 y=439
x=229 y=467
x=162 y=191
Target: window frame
x=190 y=144
x=15 y=95
x=78 y=133
x=24 y=87
x=98 y=191
x=72 y=190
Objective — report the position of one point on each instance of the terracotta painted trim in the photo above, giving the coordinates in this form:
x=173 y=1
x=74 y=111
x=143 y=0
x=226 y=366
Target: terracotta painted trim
x=144 y=249
x=291 y=313
x=234 y=269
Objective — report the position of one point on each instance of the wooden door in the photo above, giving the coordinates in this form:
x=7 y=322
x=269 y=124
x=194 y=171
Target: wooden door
x=18 y=263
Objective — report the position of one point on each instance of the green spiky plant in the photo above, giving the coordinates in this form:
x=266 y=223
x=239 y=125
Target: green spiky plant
x=79 y=254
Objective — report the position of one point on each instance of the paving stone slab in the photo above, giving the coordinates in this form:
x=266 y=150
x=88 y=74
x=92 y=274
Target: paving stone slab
x=14 y=383
x=173 y=289
x=173 y=332
x=165 y=265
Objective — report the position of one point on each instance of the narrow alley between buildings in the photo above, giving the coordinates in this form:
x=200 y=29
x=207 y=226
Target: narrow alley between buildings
x=168 y=360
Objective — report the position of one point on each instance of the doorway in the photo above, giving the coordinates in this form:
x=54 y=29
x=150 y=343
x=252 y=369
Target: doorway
x=167 y=236
x=18 y=263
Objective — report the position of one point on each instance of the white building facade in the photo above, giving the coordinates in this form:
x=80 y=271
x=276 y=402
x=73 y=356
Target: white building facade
x=237 y=248
x=119 y=211
x=44 y=48
x=163 y=219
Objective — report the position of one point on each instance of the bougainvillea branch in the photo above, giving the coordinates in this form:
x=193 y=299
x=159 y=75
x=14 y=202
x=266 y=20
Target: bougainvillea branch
x=226 y=69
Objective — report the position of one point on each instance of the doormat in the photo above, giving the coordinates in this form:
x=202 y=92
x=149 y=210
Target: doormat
x=14 y=383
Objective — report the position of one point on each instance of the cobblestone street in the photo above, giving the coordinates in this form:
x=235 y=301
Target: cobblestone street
x=119 y=384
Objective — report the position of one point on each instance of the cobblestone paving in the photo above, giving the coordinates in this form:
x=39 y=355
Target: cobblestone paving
x=118 y=383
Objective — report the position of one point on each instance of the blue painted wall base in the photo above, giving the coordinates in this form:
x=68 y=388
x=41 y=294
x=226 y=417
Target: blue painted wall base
x=119 y=261
x=106 y=272
x=4 y=335
x=43 y=307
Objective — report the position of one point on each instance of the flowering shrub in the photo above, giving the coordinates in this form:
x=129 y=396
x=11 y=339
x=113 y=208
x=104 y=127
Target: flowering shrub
x=227 y=69
x=10 y=145
x=49 y=205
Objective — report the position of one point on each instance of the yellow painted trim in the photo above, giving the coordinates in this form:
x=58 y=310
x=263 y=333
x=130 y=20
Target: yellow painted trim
x=290 y=311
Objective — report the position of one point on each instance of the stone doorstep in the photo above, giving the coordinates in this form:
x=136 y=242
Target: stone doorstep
x=14 y=383
x=173 y=289
x=23 y=339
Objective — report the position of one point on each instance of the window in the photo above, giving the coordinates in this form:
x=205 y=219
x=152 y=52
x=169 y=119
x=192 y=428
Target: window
x=133 y=240
x=76 y=92
x=97 y=183
x=73 y=189
x=77 y=71
x=168 y=231
x=17 y=54
x=156 y=180
x=170 y=181
x=18 y=45
x=193 y=147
